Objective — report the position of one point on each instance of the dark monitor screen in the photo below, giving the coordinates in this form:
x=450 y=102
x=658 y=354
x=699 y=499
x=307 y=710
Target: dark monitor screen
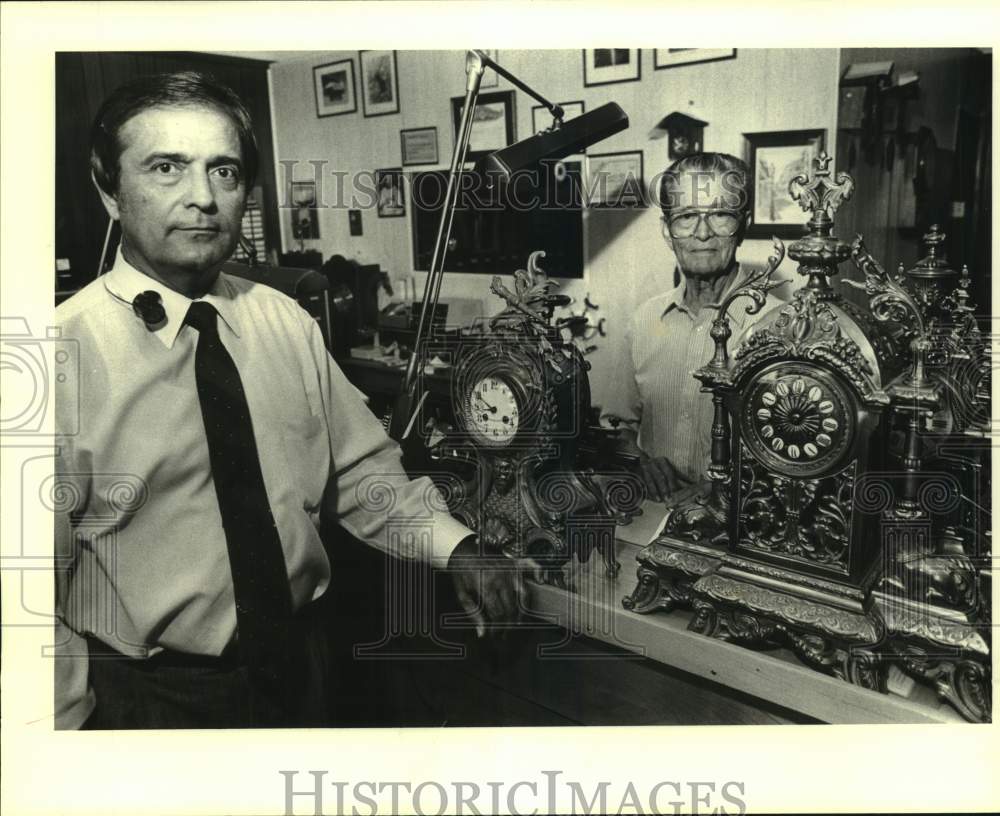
x=497 y=226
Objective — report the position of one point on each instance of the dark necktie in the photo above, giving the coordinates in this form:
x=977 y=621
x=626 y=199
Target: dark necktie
x=260 y=579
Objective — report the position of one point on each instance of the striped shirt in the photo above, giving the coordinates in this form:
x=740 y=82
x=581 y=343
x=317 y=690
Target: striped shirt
x=666 y=344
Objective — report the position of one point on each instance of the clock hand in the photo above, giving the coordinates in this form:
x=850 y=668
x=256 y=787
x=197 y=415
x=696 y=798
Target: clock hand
x=492 y=408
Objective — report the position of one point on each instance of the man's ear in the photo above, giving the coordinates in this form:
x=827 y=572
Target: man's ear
x=110 y=202
x=665 y=232
x=747 y=221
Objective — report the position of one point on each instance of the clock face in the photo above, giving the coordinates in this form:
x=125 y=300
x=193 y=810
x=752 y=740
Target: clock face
x=797 y=419
x=492 y=411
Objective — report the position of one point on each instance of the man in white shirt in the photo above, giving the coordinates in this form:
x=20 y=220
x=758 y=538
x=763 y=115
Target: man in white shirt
x=705 y=213
x=154 y=629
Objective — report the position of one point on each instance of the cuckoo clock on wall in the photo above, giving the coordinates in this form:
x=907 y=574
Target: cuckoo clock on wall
x=685 y=134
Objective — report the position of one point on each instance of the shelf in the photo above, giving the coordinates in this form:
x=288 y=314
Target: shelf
x=777 y=676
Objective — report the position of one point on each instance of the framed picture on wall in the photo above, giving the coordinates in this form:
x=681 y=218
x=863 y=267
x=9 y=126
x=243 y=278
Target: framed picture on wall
x=391 y=196
x=305 y=219
x=418 y=146
x=615 y=180
x=605 y=66
x=672 y=57
x=379 y=82
x=542 y=119
x=776 y=158
x=335 y=90
x=492 y=122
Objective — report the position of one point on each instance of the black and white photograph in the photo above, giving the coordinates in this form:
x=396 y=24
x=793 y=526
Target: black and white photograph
x=605 y=66
x=584 y=445
x=776 y=159
x=379 y=82
x=335 y=88
x=671 y=57
x=305 y=217
x=391 y=194
x=494 y=122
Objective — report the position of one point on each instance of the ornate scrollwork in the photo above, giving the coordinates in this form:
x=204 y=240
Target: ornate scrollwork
x=790 y=609
x=700 y=519
x=809 y=328
x=888 y=299
x=963 y=683
x=658 y=592
x=808 y=519
x=817 y=195
x=755 y=289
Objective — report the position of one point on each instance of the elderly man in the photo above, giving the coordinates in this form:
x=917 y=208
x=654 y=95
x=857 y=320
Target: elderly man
x=214 y=431
x=705 y=213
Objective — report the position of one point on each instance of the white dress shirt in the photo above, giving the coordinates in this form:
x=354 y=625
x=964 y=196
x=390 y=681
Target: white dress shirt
x=142 y=560
x=665 y=344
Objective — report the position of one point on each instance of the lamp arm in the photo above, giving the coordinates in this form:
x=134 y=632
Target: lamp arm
x=407 y=404
x=485 y=60
x=476 y=63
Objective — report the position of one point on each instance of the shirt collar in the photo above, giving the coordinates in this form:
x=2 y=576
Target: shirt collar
x=125 y=281
x=737 y=311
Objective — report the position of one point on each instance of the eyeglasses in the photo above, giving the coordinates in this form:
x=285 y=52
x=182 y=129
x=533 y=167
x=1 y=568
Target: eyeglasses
x=723 y=223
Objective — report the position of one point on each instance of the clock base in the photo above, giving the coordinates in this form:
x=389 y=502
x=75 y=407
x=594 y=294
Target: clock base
x=935 y=646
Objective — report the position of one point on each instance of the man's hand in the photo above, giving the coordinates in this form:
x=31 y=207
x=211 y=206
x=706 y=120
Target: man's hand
x=488 y=586
x=661 y=477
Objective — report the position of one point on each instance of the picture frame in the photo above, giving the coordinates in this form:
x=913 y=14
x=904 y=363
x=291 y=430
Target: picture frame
x=608 y=66
x=379 y=83
x=391 y=200
x=672 y=57
x=305 y=217
x=541 y=118
x=493 y=122
x=335 y=88
x=418 y=146
x=616 y=180
x=774 y=159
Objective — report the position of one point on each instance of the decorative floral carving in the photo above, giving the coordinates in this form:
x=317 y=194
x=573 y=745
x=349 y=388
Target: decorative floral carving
x=888 y=298
x=803 y=518
x=807 y=327
x=818 y=195
x=963 y=683
x=838 y=623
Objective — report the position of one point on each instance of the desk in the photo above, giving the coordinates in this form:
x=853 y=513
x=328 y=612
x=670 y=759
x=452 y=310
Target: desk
x=776 y=676
x=376 y=379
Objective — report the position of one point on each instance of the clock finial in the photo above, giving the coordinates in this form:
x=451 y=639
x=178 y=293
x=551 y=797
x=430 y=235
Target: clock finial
x=819 y=252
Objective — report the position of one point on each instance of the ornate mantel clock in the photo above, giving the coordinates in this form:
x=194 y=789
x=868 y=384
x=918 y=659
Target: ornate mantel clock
x=521 y=398
x=823 y=528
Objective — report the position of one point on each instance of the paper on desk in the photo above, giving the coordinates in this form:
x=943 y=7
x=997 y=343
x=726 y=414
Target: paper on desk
x=647 y=526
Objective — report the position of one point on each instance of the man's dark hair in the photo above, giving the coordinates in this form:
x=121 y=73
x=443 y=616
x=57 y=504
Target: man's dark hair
x=735 y=175
x=180 y=89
